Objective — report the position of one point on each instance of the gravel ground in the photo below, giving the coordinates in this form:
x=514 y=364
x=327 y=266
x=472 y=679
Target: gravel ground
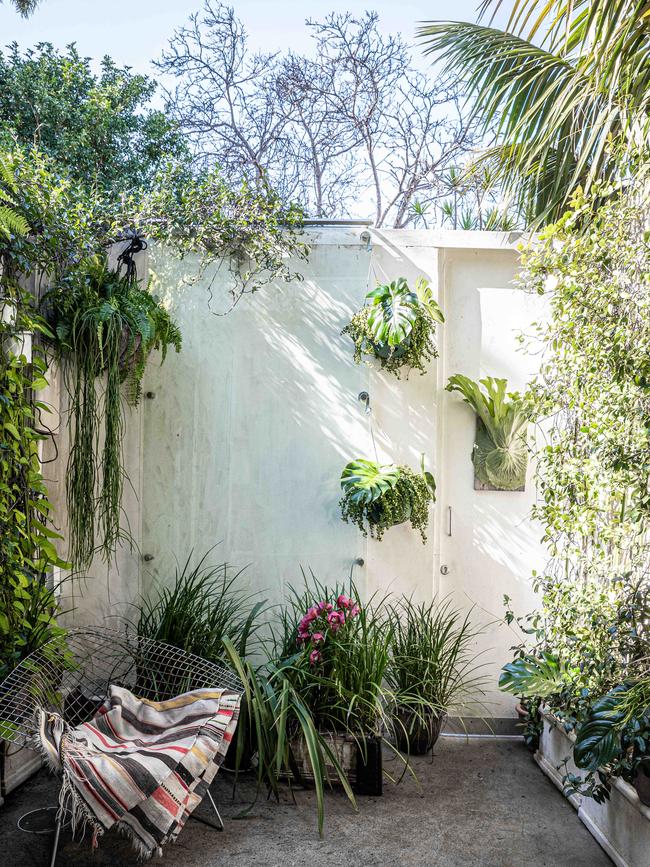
x=479 y=802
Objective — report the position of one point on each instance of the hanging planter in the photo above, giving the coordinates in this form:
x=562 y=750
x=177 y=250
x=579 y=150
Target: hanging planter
x=397 y=325
x=500 y=453
x=377 y=497
x=105 y=325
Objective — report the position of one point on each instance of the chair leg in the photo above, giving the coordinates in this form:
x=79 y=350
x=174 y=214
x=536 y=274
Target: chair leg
x=216 y=810
x=57 y=832
x=207 y=822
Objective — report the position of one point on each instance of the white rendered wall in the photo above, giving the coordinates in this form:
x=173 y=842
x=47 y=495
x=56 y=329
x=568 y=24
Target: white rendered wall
x=243 y=444
x=494 y=546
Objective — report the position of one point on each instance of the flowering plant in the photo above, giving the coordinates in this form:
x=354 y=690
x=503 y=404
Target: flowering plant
x=343 y=651
x=323 y=621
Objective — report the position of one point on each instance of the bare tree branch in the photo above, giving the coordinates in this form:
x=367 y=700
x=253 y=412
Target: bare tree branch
x=355 y=129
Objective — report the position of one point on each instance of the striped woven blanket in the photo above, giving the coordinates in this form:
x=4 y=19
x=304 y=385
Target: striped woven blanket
x=141 y=766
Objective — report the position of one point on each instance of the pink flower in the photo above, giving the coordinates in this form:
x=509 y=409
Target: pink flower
x=335 y=620
x=312 y=614
x=315 y=657
x=318 y=637
x=343 y=601
x=354 y=611
x=324 y=606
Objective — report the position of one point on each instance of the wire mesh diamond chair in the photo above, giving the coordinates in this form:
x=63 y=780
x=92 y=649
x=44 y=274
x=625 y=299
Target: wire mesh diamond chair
x=71 y=674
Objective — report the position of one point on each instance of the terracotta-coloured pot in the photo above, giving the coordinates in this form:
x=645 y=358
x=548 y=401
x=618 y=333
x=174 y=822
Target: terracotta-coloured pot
x=641 y=782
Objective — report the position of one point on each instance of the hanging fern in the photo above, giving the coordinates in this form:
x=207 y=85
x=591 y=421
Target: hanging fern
x=105 y=325
x=11 y=221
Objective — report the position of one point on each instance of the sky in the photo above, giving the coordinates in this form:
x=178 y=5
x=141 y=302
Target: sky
x=133 y=32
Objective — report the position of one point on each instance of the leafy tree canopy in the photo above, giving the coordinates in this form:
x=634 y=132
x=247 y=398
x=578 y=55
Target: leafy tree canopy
x=101 y=128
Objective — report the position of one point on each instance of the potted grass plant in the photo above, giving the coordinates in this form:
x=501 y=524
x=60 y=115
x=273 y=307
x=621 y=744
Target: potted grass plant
x=204 y=610
x=339 y=672
x=397 y=325
x=203 y=604
x=377 y=497
x=432 y=669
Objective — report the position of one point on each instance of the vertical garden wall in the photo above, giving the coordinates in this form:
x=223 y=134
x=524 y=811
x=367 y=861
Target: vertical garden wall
x=244 y=434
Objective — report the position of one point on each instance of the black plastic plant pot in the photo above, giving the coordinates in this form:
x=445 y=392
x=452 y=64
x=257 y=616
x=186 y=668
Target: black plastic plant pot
x=384 y=350
x=369 y=777
x=243 y=732
x=416 y=734
x=376 y=515
x=642 y=782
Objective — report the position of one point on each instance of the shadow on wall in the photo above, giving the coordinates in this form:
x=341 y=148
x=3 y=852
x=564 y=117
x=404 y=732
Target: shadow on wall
x=254 y=420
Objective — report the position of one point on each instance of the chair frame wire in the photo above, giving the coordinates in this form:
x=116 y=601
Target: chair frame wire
x=71 y=675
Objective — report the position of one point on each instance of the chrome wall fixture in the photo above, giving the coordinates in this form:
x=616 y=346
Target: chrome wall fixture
x=364 y=398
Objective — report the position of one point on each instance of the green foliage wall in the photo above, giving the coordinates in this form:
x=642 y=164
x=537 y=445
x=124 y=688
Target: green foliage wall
x=27 y=540
x=100 y=127
x=594 y=385
x=593 y=467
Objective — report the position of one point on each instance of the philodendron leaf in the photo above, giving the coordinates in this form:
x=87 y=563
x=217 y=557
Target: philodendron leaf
x=365 y=481
x=428 y=478
x=427 y=301
x=598 y=738
x=431 y=483
x=393 y=310
x=534 y=676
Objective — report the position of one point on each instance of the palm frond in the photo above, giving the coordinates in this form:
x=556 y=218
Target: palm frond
x=12 y=223
x=564 y=109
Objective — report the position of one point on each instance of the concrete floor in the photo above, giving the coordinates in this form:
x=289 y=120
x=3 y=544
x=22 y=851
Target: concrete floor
x=480 y=802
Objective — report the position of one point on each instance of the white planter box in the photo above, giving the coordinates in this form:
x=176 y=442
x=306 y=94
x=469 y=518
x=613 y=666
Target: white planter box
x=622 y=824
x=19 y=765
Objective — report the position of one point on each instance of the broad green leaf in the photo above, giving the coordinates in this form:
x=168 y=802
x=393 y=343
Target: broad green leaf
x=392 y=312
x=598 y=738
x=365 y=481
x=532 y=676
x=427 y=301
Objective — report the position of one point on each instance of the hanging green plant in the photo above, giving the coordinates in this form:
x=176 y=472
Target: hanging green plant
x=105 y=324
x=500 y=454
x=383 y=496
x=28 y=555
x=397 y=325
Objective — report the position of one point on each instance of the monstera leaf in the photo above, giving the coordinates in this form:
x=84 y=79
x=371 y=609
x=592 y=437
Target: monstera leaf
x=365 y=481
x=533 y=676
x=393 y=310
x=426 y=300
x=598 y=738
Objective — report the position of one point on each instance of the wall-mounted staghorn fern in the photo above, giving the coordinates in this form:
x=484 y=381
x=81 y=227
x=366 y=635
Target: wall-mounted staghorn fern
x=500 y=454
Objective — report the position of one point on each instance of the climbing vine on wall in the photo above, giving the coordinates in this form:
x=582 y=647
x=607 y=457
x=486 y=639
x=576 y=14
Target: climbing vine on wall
x=590 y=634
x=594 y=384
x=27 y=541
